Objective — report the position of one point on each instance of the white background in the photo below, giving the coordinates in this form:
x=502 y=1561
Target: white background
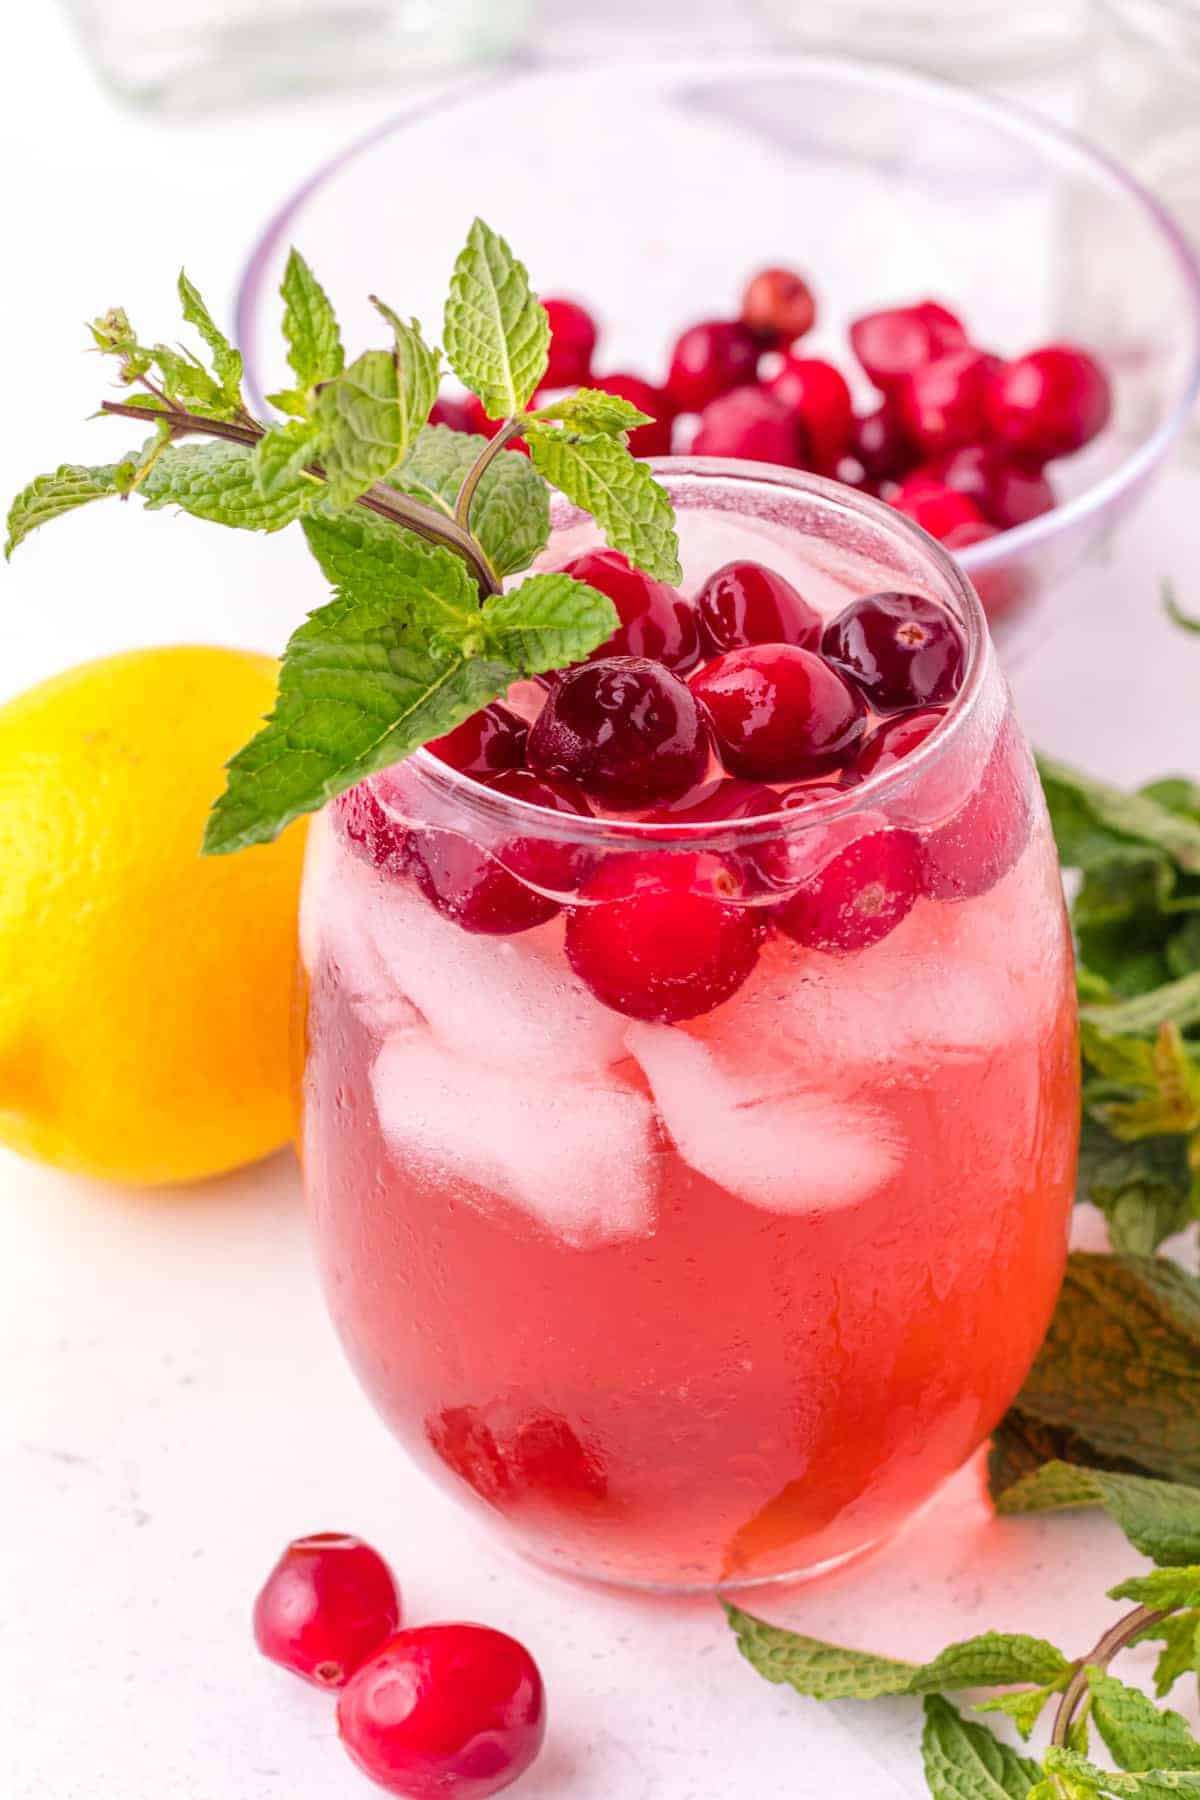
x=174 y=1406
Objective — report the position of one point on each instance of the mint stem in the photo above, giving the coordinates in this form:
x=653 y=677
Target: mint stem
x=1115 y=1639
x=411 y=515
x=508 y=431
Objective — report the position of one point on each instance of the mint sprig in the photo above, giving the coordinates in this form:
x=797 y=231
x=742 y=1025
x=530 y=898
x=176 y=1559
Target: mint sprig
x=416 y=527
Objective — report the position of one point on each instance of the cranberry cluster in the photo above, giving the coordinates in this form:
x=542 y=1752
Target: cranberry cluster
x=743 y=704
x=958 y=440
x=454 y=1711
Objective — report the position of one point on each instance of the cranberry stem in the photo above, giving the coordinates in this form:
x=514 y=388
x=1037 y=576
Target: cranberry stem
x=412 y=515
x=1116 y=1638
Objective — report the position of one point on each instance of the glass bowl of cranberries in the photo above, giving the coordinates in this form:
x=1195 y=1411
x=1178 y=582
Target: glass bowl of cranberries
x=691 y=1092
x=808 y=263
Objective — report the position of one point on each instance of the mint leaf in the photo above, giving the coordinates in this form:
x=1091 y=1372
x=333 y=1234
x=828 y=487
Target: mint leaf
x=965 y=1761
x=1166 y=1590
x=1160 y=1518
x=187 y=383
x=362 y=685
x=1144 y=1188
x=1090 y=818
x=280 y=455
x=1161 y=1082
x=1137 y=1734
x=496 y=332
x=380 y=566
x=419 y=370
x=309 y=325
x=1175 y=1003
x=510 y=511
x=547 y=622
x=366 y=423
x=218 y=481
x=825 y=1671
x=591 y=409
x=598 y=474
x=1154 y=1784
x=49 y=496
x=226 y=361
x=1175 y=612
x=1120 y=1365
x=1024 y=1707
x=1179 y=1633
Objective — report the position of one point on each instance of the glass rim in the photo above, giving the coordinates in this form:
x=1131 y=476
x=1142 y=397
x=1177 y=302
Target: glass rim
x=488 y=807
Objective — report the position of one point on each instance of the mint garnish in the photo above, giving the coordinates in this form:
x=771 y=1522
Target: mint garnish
x=416 y=527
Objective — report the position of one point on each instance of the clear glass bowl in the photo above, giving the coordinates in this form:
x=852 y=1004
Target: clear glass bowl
x=652 y=190
x=691 y=1199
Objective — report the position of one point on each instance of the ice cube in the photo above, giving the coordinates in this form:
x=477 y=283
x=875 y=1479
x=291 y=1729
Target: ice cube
x=509 y=1001
x=576 y=1153
x=756 y=1128
x=335 y=943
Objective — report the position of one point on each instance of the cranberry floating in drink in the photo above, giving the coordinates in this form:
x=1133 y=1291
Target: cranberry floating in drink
x=671 y=1149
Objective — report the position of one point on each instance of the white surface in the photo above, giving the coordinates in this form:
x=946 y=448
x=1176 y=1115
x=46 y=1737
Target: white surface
x=175 y=1406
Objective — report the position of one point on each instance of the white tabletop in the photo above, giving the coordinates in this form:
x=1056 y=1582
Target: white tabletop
x=175 y=1405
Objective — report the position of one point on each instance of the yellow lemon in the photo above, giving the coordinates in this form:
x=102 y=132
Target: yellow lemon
x=145 y=990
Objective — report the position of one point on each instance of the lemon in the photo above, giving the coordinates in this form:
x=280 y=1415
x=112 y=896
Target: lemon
x=145 y=990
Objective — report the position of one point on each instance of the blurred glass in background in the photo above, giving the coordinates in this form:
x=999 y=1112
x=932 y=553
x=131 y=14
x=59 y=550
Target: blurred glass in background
x=1141 y=96
x=968 y=40
x=199 y=53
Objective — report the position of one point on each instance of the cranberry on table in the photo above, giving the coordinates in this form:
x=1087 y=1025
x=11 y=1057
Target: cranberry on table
x=779 y=713
x=454 y=413
x=661 y=937
x=1049 y=403
x=644 y=440
x=327 y=1605
x=879 y=444
x=709 y=359
x=816 y=393
x=941 y=404
x=752 y=424
x=361 y=821
x=572 y=341
x=859 y=896
x=626 y=729
x=656 y=621
x=902 y=650
x=1007 y=489
x=895 y=739
x=892 y=343
x=746 y=603
x=490 y=740
x=445 y=1712
x=982 y=841
x=718 y=802
x=778 y=306
x=933 y=506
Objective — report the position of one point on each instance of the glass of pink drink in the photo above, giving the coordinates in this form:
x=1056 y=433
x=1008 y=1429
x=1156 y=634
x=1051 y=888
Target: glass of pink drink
x=696 y=1300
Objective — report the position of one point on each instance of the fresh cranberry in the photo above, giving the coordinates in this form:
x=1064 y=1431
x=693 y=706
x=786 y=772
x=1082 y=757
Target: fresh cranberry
x=747 y=603
x=462 y=1438
x=708 y=360
x=1049 y=403
x=894 y=739
x=891 y=344
x=816 y=394
x=810 y=793
x=859 y=896
x=644 y=440
x=625 y=728
x=479 y=423
x=778 y=306
x=941 y=404
x=327 y=1605
x=572 y=341
x=717 y=802
x=656 y=621
x=660 y=937
x=454 y=413
x=981 y=842
x=490 y=740
x=779 y=713
x=971 y=531
x=932 y=505
x=901 y=650
x=445 y=1712
x=550 y=1460
x=479 y=890
x=879 y=445
x=1007 y=490
x=379 y=840
x=754 y=425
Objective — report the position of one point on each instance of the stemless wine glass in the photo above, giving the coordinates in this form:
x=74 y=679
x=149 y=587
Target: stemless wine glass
x=721 y=1299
